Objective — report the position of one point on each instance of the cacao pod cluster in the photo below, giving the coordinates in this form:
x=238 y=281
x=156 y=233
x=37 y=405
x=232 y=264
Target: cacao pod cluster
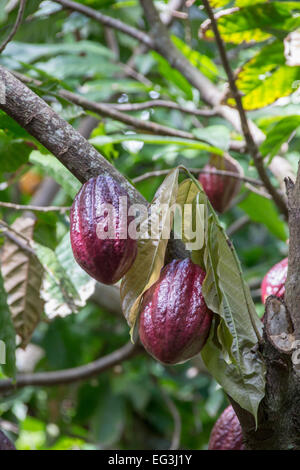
x=221 y=189
x=227 y=432
x=106 y=259
x=274 y=281
x=174 y=319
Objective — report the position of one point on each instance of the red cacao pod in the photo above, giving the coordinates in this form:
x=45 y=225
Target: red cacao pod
x=105 y=259
x=227 y=432
x=221 y=189
x=274 y=280
x=175 y=320
x=5 y=443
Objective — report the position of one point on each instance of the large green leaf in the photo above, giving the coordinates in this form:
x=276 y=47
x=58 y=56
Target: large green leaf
x=279 y=134
x=258 y=22
x=172 y=75
x=7 y=334
x=263 y=211
x=52 y=167
x=229 y=353
x=13 y=152
x=201 y=61
x=151 y=249
x=99 y=141
x=218 y=136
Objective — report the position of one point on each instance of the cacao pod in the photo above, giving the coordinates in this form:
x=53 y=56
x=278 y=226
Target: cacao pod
x=99 y=230
x=274 y=280
x=175 y=320
x=5 y=443
x=221 y=189
x=227 y=432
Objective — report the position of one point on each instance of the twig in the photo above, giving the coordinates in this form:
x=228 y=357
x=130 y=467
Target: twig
x=67 y=376
x=251 y=144
x=238 y=225
x=175 y=443
x=112 y=112
x=20 y=207
x=151 y=174
x=16 y=25
x=107 y=21
x=163 y=104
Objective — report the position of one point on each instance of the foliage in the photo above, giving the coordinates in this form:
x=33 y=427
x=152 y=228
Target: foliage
x=124 y=407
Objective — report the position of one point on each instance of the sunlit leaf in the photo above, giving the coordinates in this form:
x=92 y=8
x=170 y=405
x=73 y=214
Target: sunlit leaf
x=279 y=134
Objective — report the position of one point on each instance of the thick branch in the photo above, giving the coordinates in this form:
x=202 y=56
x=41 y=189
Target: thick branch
x=76 y=374
x=292 y=286
x=59 y=137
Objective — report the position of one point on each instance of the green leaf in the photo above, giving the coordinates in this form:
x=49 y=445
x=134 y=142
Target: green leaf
x=246 y=3
x=279 y=134
x=218 y=136
x=109 y=419
x=156 y=140
x=151 y=251
x=173 y=76
x=52 y=167
x=258 y=22
x=13 y=152
x=201 y=61
x=263 y=211
x=228 y=353
x=58 y=290
x=7 y=334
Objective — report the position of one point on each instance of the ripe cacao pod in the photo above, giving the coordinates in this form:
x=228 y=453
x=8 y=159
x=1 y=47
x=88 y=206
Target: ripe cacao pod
x=274 y=280
x=5 y=443
x=175 y=320
x=99 y=230
x=221 y=189
x=227 y=432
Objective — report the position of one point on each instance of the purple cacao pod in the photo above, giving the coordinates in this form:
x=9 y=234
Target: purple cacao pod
x=99 y=230
x=274 y=281
x=227 y=432
x=175 y=320
x=221 y=189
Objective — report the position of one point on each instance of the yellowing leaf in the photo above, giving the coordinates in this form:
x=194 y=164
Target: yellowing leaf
x=151 y=251
x=22 y=274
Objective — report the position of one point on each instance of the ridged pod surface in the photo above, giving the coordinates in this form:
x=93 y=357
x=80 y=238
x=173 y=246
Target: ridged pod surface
x=274 y=281
x=175 y=320
x=227 y=432
x=221 y=189
x=106 y=260
x=5 y=443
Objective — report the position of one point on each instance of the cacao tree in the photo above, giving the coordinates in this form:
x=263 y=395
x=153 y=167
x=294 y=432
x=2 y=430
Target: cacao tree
x=150 y=235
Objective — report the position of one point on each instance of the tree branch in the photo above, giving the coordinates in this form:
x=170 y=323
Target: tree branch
x=59 y=137
x=151 y=174
x=16 y=25
x=30 y=207
x=251 y=144
x=108 y=21
x=111 y=111
x=66 y=376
